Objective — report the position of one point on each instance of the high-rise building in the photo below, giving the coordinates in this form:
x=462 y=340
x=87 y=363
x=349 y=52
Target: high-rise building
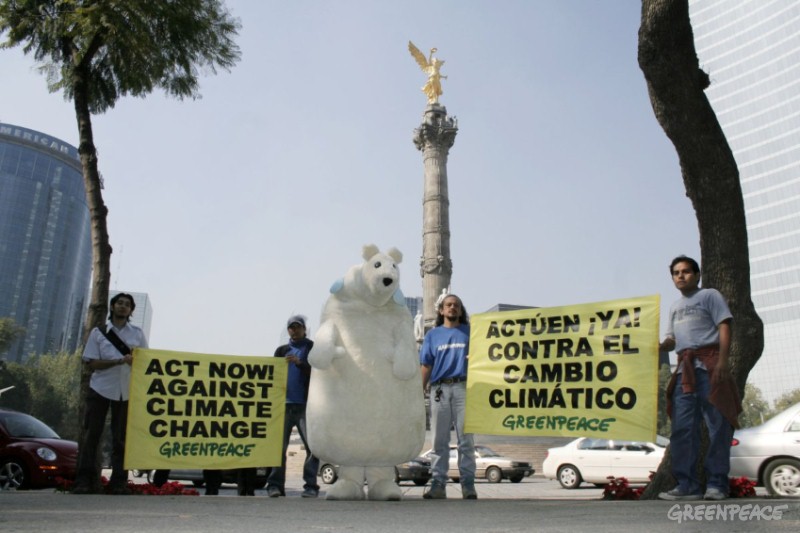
x=751 y=51
x=414 y=304
x=45 y=244
x=143 y=314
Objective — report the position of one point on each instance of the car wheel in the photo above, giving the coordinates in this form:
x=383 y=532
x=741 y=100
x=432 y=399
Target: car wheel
x=150 y=474
x=782 y=477
x=493 y=475
x=420 y=482
x=515 y=479
x=455 y=479
x=13 y=475
x=328 y=474
x=569 y=477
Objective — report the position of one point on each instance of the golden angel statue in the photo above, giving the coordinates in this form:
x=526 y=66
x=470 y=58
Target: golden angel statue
x=430 y=66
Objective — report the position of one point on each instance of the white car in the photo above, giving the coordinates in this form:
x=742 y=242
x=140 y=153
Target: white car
x=595 y=460
x=770 y=453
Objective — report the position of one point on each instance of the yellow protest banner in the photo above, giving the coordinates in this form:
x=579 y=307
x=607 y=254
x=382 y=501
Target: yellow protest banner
x=189 y=410
x=581 y=370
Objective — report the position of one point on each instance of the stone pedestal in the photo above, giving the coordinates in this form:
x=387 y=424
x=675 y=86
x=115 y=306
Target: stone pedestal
x=434 y=138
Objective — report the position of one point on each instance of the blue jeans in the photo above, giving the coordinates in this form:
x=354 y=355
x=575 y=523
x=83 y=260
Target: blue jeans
x=295 y=417
x=449 y=411
x=687 y=411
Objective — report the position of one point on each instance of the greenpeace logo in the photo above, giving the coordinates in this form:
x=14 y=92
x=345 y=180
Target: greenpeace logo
x=726 y=512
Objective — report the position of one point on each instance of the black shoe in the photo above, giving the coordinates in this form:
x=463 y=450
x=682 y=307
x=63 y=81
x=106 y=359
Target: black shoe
x=310 y=493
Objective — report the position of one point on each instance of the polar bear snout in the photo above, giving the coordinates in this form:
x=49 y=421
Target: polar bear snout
x=387 y=281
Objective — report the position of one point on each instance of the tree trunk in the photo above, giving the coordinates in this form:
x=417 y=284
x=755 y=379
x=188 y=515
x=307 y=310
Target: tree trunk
x=676 y=86
x=101 y=249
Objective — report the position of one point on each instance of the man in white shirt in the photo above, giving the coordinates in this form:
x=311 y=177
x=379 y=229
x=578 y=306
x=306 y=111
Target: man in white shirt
x=109 y=355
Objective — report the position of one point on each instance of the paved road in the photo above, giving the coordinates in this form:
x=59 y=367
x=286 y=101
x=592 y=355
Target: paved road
x=530 y=488
x=45 y=510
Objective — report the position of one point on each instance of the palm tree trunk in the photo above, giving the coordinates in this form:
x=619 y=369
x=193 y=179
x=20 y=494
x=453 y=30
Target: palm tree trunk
x=101 y=249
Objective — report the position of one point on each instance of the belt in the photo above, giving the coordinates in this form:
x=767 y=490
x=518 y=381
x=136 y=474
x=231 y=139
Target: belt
x=448 y=381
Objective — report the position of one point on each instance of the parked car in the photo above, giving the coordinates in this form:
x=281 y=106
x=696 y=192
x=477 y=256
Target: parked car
x=595 y=460
x=489 y=464
x=417 y=470
x=769 y=454
x=196 y=476
x=32 y=455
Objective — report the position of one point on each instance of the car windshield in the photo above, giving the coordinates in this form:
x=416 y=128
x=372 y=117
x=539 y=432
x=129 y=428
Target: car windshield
x=25 y=426
x=486 y=452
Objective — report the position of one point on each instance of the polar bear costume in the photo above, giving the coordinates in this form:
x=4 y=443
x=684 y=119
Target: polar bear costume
x=366 y=411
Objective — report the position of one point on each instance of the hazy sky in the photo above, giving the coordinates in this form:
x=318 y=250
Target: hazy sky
x=239 y=209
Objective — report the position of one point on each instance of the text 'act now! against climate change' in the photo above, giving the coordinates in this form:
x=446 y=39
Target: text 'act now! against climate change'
x=190 y=410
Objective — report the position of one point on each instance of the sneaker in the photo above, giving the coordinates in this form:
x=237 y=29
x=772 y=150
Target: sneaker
x=678 y=494
x=714 y=494
x=273 y=492
x=309 y=493
x=468 y=492
x=435 y=492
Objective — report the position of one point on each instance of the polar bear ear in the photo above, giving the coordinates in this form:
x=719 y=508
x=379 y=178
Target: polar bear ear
x=399 y=297
x=368 y=251
x=337 y=286
x=395 y=254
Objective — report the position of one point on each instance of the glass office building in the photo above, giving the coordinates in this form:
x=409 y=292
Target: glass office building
x=45 y=244
x=751 y=51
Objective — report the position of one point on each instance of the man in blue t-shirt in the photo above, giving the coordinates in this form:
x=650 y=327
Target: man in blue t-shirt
x=297 y=380
x=444 y=372
x=699 y=330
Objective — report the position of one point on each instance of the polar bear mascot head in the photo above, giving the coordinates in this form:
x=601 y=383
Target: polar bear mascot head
x=374 y=282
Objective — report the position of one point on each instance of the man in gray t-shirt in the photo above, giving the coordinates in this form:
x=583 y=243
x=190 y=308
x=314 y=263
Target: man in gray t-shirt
x=699 y=330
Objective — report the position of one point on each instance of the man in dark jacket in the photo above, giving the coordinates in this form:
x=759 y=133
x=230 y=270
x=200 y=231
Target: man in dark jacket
x=297 y=381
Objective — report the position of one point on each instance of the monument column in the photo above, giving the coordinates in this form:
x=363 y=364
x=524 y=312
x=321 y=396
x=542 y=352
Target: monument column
x=434 y=138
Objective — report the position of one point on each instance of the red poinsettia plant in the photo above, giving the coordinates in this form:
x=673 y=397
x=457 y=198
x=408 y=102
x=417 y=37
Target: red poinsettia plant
x=173 y=488
x=620 y=489
x=741 y=487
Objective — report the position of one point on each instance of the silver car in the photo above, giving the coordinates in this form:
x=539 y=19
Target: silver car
x=488 y=464
x=769 y=454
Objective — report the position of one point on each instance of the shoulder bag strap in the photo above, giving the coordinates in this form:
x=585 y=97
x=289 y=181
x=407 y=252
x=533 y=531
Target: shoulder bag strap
x=118 y=343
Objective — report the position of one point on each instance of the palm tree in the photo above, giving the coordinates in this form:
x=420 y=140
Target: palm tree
x=97 y=51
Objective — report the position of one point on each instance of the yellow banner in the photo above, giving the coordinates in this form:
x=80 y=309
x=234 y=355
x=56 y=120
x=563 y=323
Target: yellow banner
x=189 y=410
x=583 y=370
